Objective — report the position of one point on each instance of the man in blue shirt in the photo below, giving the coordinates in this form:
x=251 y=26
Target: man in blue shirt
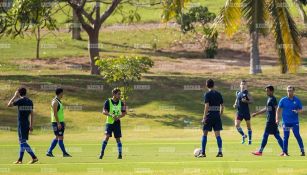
x=243 y=99
x=212 y=117
x=25 y=124
x=290 y=106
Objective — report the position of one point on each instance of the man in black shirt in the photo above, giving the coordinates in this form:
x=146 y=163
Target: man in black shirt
x=212 y=117
x=25 y=109
x=271 y=126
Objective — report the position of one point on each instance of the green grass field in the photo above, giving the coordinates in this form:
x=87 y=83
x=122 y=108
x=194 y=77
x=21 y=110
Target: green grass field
x=162 y=127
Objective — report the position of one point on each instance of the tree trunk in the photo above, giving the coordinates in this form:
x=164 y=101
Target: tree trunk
x=38 y=40
x=301 y=10
x=75 y=28
x=255 y=66
x=93 y=47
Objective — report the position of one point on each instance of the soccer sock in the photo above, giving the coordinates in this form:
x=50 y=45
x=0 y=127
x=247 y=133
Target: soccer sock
x=250 y=134
x=53 y=145
x=119 y=147
x=240 y=130
x=21 y=152
x=219 y=143
x=298 y=138
x=61 y=144
x=279 y=140
x=286 y=137
x=203 y=144
x=264 y=141
x=104 y=145
x=29 y=150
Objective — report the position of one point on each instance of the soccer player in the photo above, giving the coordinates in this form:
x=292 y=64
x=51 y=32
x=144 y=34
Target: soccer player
x=243 y=99
x=271 y=126
x=212 y=117
x=58 y=124
x=114 y=109
x=290 y=106
x=25 y=125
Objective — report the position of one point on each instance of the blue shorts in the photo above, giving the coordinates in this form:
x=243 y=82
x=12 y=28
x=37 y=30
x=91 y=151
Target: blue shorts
x=23 y=133
x=114 y=128
x=288 y=126
x=213 y=123
x=271 y=128
x=56 y=130
x=246 y=117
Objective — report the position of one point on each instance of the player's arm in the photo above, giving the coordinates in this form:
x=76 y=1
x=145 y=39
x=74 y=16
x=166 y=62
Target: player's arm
x=278 y=112
x=206 y=109
x=55 y=105
x=124 y=110
x=261 y=111
x=250 y=99
x=299 y=109
x=235 y=104
x=13 y=99
x=221 y=109
x=31 y=120
x=106 y=113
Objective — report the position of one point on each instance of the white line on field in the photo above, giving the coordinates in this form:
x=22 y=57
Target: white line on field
x=170 y=162
x=95 y=144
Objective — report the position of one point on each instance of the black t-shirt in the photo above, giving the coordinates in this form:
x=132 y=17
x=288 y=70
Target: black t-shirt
x=243 y=108
x=25 y=107
x=215 y=99
x=107 y=105
x=271 y=110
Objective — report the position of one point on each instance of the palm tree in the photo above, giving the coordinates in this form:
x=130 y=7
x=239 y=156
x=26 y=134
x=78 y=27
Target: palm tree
x=256 y=13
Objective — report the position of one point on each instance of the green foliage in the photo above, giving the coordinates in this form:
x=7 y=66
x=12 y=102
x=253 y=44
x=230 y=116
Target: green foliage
x=173 y=8
x=211 y=45
x=198 y=14
x=124 y=70
x=27 y=15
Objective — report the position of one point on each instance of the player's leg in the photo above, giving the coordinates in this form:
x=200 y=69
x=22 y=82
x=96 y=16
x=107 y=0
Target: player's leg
x=108 y=134
x=217 y=128
x=53 y=144
x=296 y=132
x=119 y=148
x=239 y=129
x=219 y=143
x=118 y=135
x=286 y=130
x=263 y=144
x=21 y=151
x=204 y=143
x=249 y=128
x=61 y=141
x=26 y=146
x=279 y=140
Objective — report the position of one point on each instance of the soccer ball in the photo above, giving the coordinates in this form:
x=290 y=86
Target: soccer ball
x=197 y=152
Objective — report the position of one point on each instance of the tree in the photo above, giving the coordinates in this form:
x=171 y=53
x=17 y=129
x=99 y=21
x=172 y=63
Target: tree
x=92 y=25
x=299 y=5
x=75 y=27
x=124 y=70
x=28 y=15
x=256 y=13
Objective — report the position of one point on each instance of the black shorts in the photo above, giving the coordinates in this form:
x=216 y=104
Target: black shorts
x=23 y=133
x=56 y=130
x=246 y=117
x=271 y=128
x=114 y=128
x=215 y=123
